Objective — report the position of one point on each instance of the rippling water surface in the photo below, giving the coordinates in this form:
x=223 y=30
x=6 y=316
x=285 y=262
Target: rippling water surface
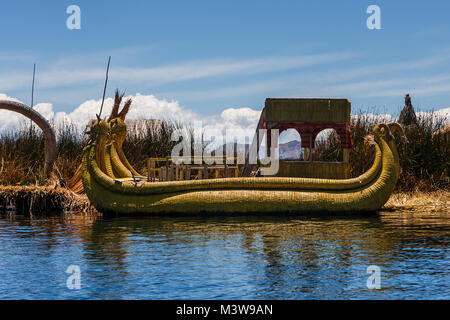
x=227 y=257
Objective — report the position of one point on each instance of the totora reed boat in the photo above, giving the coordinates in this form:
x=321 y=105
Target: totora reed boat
x=114 y=187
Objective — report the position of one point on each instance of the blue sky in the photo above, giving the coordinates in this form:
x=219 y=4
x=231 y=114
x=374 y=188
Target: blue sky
x=214 y=55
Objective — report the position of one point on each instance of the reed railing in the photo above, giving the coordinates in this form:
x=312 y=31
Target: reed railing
x=164 y=169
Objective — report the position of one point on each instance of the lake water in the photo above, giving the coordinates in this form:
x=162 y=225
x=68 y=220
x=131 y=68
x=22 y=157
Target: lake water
x=283 y=257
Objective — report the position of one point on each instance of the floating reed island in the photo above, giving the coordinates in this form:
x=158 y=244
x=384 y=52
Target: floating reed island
x=39 y=201
x=43 y=201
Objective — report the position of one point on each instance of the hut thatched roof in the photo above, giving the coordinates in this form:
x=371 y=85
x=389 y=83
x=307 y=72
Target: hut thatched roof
x=307 y=110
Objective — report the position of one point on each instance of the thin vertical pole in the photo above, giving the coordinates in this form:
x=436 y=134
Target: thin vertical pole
x=32 y=96
x=32 y=86
x=104 y=90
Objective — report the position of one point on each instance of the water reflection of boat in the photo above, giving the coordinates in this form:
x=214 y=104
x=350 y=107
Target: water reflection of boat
x=107 y=182
x=269 y=256
x=269 y=237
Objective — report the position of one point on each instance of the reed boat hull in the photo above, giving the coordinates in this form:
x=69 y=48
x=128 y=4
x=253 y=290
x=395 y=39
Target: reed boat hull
x=239 y=195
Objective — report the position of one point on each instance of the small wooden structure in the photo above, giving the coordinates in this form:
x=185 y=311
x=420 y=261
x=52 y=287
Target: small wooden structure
x=308 y=117
x=163 y=169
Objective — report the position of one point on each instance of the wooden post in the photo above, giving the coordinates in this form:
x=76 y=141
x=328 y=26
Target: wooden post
x=226 y=169
x=148 y=170
x=181 y=176
x=205 y=170
x=163 y=174
x=167 y=170
x=345 y=153
x=153 y=173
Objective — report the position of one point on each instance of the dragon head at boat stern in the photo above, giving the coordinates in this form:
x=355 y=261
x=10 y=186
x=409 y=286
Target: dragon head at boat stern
x=397 y=131
x=118 y=130
x=388 y=132
x=96 y=130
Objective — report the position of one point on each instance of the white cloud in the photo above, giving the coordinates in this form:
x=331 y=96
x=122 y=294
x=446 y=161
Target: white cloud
x=143 y=107
x=150 y=107
x=441 y=115
x=240 y=117
x=317 y=85
x=4 y=96
x=59 y=74
x=444 y=113
x=8 y=119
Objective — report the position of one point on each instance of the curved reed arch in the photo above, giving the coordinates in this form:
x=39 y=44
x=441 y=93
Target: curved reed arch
x=41 y=122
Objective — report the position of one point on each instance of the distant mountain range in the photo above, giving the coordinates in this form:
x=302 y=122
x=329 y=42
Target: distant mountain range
x=289 y=150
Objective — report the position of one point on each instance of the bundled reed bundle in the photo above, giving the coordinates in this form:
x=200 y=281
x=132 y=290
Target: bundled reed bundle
x=42 y=201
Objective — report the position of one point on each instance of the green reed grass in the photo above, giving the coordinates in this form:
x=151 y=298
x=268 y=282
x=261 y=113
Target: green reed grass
x=424 y=159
